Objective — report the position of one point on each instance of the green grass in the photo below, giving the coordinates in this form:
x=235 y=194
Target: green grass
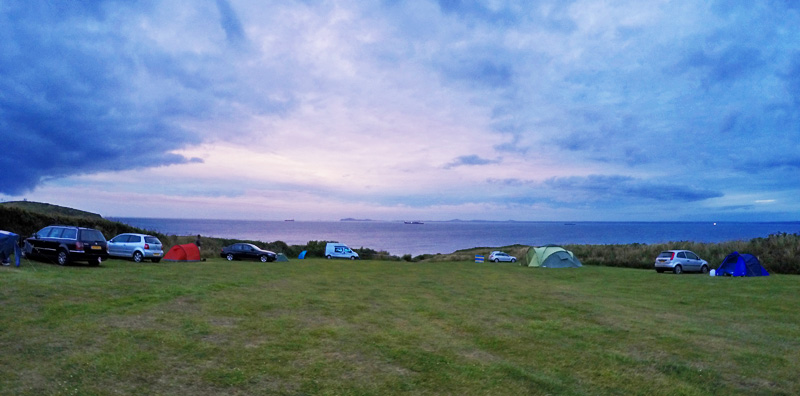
x=380 y=327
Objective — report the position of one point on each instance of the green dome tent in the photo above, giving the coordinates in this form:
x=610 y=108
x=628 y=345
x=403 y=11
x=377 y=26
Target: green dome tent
x=550 y=256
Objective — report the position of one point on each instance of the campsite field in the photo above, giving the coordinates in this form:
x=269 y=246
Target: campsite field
x=379 y=327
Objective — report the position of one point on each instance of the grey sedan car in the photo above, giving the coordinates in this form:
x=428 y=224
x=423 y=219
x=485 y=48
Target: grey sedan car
x=136 y=246
x=679 y=261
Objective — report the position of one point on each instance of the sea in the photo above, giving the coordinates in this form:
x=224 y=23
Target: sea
x=431 y=237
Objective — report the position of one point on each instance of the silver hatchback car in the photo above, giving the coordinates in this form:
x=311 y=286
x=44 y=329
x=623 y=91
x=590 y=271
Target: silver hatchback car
x=136 y=246
x=679 y=261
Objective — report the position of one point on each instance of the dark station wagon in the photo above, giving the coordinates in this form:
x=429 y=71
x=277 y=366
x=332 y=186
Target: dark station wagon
x=66 y=244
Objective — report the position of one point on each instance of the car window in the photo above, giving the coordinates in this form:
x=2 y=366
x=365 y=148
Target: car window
x=55 y=232
x=692 y=256
x=43 y=232
x=151 y=239
x=665 y=254
x=60 y=232
x=117 y=239
x=92 y=236
x=135 y=239
x=681 y=255
x=69 y=233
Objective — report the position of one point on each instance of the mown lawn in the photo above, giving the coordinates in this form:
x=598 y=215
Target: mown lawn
x=376 y=328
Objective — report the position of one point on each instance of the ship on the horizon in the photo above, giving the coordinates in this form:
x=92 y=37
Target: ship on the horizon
x=413 y=222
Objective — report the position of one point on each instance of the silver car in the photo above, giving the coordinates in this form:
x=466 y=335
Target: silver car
x=498 y=256
x=136 y=246
x=679 y=261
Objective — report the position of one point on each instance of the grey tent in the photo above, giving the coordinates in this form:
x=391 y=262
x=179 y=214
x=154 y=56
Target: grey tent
x=550 y=256
x=282 y=257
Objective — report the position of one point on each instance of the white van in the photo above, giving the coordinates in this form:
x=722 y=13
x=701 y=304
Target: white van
x=339 y=250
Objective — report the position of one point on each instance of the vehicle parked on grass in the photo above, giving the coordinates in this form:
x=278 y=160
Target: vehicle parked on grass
x=67 y=244
x=247 y=251
x=498 y=256
x=679 y=261
x=339 y=250
x=136 y=246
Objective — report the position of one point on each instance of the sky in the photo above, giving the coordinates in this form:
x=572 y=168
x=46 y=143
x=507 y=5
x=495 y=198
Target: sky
x=585 y=110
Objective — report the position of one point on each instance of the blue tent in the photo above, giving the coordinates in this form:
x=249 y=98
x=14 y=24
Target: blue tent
x=736 y=264
x=9 y=245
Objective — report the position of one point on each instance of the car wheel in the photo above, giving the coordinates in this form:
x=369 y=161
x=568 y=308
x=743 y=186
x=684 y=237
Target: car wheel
x=229 y=257
x=352 y=257
x=496 y=260
x=137 y=257
x=328 y=257
x=95 y=262
x=704 y=269
x=678 y=269
x=513 y=260
x=63 y=257
x=155 y=260
x=264 y=259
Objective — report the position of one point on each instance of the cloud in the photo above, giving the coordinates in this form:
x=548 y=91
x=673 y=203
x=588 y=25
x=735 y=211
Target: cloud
x=721 y=65
x=381 y=104
x=603 y=187
x=470 y=160
x=234 y=31
x=91 y=92
x=476 y=10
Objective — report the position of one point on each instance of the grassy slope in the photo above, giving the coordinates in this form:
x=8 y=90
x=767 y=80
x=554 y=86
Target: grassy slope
x=377 y=327
x=49 y=209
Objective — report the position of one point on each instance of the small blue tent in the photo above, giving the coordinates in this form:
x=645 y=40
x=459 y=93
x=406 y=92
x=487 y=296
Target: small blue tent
x=736 y=264
x=9 y=245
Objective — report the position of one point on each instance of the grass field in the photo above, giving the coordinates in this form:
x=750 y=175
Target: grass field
x=376 y=328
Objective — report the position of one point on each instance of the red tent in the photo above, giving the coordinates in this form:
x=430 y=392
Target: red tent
x=187 y=252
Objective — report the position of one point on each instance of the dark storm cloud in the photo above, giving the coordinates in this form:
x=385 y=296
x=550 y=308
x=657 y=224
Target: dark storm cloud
x=79 y=96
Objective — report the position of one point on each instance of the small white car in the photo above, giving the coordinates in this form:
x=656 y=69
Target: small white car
x=498 y=256
x=136 y=246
